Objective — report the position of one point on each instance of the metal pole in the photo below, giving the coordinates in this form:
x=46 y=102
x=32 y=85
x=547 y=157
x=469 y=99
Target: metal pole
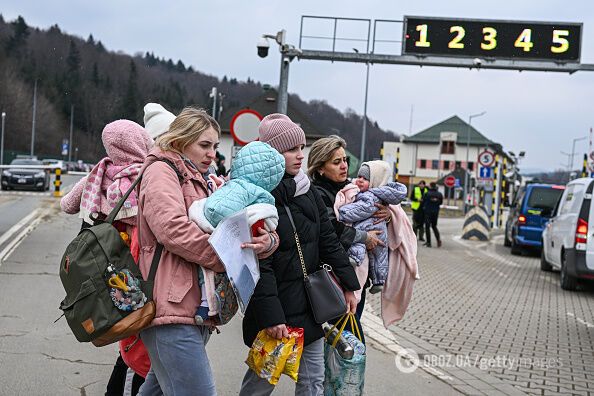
x=71 y=128
x=213 y=94
x=364 y=134
x=2 y=140
x=467 y=173
x=283 y=86
x=573 y=151
x=33 y=123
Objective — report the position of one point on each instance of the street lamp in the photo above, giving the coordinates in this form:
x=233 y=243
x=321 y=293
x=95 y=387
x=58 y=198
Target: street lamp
x=364 y=134
x=467 y=174
x=2 y=140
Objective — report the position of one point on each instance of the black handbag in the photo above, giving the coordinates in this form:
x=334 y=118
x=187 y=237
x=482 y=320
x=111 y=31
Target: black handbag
x=325 y=295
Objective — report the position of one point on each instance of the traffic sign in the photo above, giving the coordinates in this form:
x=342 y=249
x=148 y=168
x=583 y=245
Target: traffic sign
x=449 y=181
x=486 y=158
x=485 y=172
x=65 y=147
x=244 y=126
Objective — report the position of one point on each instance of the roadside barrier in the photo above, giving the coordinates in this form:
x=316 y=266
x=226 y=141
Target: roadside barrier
x=58 y=183
x=476 y=225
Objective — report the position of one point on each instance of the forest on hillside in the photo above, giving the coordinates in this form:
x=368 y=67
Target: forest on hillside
x=99 y=85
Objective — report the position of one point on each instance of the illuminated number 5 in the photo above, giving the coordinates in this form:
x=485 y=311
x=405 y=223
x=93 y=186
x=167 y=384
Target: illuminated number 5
x=524 y=40
x=422 y=37
x=490 y=34
x=562 y=41
x=460 y=33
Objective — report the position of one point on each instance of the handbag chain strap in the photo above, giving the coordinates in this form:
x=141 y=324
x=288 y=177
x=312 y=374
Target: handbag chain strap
x=297 y=242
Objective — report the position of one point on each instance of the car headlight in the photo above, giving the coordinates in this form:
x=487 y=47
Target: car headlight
x=6 y=173
x=40 y=174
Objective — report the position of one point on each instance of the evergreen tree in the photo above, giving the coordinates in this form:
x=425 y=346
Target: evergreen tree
x=95 y=74
x=180 y=67
x=91 y=40
x=19 y=36
x=130 y=100
x=72 y=75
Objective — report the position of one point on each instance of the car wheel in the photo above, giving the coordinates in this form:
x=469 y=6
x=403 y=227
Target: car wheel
x=567 y=281
x=544 y=264
x=516 y=249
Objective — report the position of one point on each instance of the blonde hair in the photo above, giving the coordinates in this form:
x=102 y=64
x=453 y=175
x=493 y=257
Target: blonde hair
x=185 y=129
x=321 y=152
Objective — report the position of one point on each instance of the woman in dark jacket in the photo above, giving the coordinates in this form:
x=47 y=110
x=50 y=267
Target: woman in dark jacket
x=328 y=169
x=280 y=299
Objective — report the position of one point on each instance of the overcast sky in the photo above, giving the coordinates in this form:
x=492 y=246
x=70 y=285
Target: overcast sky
x=538 y=112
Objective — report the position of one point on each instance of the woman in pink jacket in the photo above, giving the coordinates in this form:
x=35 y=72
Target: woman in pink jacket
x=176 y=345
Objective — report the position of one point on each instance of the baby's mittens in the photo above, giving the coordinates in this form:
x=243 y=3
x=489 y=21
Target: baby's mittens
x=196 y=214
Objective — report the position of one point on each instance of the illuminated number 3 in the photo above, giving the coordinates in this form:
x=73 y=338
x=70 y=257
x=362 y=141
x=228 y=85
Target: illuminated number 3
x=490 y=38
x=422 y=37
x=460 y=33
x=562 y=41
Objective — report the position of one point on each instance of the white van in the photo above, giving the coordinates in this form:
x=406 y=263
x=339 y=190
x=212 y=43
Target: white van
x=568 y=238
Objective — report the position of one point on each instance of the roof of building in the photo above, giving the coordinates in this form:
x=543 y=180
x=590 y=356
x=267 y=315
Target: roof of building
x=452 y=124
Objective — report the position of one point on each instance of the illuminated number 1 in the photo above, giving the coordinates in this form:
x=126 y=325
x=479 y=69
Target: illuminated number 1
x=460 y=33
x=490 y=35
x=524 y=40
x=562 y=41
x=422 y=37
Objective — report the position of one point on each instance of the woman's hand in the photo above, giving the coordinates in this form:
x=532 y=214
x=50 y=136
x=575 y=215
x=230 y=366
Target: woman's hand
x=266 y=243
x=278 y=331
x=373 y=240
x=383 y=213
x=351 y=301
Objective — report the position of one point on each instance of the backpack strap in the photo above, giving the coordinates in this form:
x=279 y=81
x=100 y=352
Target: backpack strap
x=159 y=248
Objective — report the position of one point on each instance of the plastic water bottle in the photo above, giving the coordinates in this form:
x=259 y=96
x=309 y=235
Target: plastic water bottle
x=345 y=350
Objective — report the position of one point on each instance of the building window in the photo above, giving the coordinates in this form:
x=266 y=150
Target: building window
x=458 y=164
x=423 y=164
x=435 y=164
x=448 y=147
x=446 y=165
x=471 y=166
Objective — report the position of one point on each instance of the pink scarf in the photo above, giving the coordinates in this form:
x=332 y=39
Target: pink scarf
x=105 y=186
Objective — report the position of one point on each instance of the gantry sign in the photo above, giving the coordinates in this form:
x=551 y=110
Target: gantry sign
x=452 y=42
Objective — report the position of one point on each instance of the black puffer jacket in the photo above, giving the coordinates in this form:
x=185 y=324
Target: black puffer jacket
x=280 y=295
x=328 y=190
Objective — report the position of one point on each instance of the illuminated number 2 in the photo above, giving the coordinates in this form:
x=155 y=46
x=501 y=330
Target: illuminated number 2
x=562 y=41
x=460 y=33
x=490 y=35
x=422 y=37
x=524 y=40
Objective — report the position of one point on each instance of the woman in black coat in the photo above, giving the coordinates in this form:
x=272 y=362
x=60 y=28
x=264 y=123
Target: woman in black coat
x=328 y=169
x=280 y=299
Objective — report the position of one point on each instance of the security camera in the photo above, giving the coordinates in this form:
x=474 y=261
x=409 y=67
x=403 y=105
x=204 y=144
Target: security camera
x=478 y=62
x=263 y=47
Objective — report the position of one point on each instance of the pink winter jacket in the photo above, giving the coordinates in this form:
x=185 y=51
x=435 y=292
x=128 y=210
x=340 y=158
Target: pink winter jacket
x=163 y=217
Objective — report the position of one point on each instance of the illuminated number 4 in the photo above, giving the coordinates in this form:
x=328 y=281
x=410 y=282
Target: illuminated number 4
x=524 y=40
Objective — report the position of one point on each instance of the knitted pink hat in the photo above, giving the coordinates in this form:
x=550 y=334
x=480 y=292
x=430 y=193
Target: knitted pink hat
x=280 y=132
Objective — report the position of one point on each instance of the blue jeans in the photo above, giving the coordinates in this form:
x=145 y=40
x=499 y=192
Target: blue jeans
x=310 y=381
x=179 y=364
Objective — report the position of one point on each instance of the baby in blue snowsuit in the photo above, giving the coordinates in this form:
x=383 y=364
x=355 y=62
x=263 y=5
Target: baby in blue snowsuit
x=374 y=188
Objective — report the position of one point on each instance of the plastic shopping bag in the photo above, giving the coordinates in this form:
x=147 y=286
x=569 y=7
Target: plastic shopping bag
x=344 y=377
x=268 y=356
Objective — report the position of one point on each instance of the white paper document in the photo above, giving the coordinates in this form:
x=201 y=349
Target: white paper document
x=241 y=264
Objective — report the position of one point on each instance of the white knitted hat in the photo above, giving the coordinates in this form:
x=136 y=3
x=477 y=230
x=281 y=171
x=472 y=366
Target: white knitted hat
x=157 y=119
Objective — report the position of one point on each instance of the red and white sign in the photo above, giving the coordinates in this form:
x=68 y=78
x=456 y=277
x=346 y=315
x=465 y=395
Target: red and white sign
x=244 y=126
x=486 y=158
x=449 y=181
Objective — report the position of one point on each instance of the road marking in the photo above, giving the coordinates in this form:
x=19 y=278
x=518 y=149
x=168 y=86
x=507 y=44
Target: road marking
x=18 y=226
x=548 y=279
x=580 y=320
x=12 y=245
x=499 y=272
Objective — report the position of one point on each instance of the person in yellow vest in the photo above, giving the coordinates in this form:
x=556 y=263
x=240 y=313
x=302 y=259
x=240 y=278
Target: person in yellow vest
x=418 y=192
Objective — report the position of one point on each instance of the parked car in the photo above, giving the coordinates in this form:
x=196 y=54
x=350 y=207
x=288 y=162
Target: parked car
x=568 y=239
x=25 y=177
x=529 y=214
x=55 y=163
